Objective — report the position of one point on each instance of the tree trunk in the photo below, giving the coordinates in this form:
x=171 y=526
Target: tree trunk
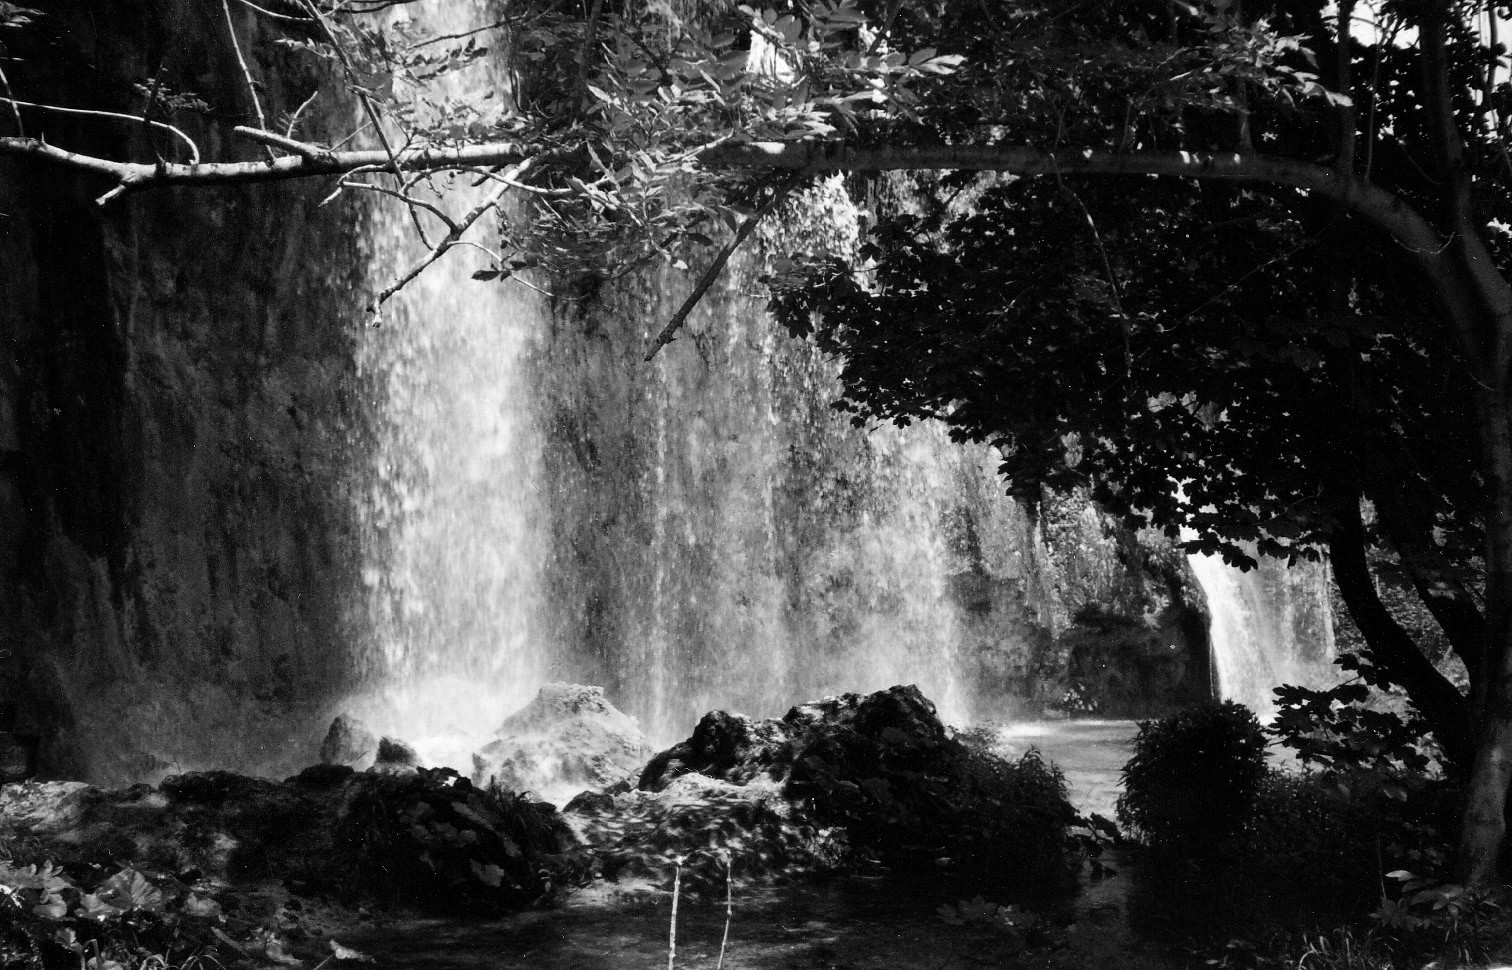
x=1484 y=827
x=1392 y=649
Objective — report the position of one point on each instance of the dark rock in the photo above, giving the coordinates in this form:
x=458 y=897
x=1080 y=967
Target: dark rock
x=568 y=739
x=348 y=742
x=728 y=746
x=41 y=808
x=395 y=757
x=885 y=770
x=18 y=757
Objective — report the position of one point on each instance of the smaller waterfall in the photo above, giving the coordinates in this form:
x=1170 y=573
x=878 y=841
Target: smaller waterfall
x=1271 y=625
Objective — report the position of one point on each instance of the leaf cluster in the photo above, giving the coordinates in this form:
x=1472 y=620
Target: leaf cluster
x=1186 y=335
x=434 y=840
x=108 y=916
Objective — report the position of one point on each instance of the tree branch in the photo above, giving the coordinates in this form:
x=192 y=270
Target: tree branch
x=135 y=176
x=1383 y=209
x=194 y=155
x=1393 y=651
x=262 y=119
x=451 y=239
x=714 y=268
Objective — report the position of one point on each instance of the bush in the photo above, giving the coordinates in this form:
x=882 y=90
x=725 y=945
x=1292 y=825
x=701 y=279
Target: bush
x=1193 y=778
x=1314 y=851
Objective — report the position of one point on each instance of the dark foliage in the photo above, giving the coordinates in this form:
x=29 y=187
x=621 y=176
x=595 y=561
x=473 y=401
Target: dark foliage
x=433 y=841
x=1193 y=778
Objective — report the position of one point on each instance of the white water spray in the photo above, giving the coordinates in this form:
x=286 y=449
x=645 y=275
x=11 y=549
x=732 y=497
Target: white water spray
x=1271 y=625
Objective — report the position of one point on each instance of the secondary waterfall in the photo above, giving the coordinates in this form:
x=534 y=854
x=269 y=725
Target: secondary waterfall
x=1271 y=625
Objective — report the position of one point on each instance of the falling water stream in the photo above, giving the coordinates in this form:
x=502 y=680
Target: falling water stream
x=1271 y=625
x=694 y=533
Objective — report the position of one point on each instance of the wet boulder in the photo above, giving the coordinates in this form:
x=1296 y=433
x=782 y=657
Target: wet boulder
x=395 y=757
x=567 y=740
x=883 y=770
x=349 y=742
x=726 y=746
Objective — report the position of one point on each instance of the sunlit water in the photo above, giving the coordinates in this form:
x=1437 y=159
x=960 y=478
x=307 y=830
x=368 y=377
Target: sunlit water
x=1271 y=625
x=1091 y=754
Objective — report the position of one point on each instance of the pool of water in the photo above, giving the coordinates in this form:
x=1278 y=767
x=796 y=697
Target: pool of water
x=1091 y=753
x=850 y=922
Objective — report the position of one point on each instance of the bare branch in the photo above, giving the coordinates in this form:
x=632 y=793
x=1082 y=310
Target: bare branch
x=300 y=148
x=274 y=14
x=710 y=274
x=194 y=155
x=407 y=199
x=294 y=118
x=11 y=100
x=134 y=176
x=262 y=119
x=452 y=238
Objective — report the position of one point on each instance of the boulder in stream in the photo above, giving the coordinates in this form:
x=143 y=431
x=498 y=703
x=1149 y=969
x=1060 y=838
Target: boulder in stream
x=349 y=742
x=875 y=776
x=567 y=740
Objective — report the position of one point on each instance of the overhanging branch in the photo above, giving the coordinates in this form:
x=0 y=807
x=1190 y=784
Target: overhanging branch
x=1425 y=244
x=135 y=176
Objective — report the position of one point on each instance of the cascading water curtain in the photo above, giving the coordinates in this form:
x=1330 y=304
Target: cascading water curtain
x=454 y=537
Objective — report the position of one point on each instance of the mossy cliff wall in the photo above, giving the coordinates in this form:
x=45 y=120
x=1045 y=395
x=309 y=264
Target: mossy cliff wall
x=177 y=406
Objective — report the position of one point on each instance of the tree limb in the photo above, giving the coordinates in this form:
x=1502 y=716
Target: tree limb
x=194 y=155
x=1392 y=650
x=714 y=268
x=451 y=239
x=262 y=119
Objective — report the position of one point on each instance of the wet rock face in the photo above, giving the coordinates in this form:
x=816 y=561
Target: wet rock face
x=568 y=739
x=1134 y=667
x=175 y=384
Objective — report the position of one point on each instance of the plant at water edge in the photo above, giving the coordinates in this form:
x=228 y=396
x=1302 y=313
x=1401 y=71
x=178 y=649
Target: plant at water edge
x=1444 y=918
x=1193 y=778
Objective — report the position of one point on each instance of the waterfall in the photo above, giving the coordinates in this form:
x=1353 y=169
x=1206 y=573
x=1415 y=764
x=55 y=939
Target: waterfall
x=1271 y=625
x=450 y=501
x=699 y=532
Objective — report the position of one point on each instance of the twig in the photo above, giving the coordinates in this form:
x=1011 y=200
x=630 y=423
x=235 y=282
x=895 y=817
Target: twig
x=273 y=14
x=365 y=99
x=11 y=100
x=1114 y=290
x=194 y=155
x=407 y=199
x=729 y=909
x=590 y=34
x=294 y=118
x=442 y=38
x=451 y=239
x=672 y=933
x=710 y=274
x=314 y=153
x=262 y=119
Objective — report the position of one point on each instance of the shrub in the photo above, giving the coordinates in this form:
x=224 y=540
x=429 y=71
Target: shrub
x=1193 y=778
